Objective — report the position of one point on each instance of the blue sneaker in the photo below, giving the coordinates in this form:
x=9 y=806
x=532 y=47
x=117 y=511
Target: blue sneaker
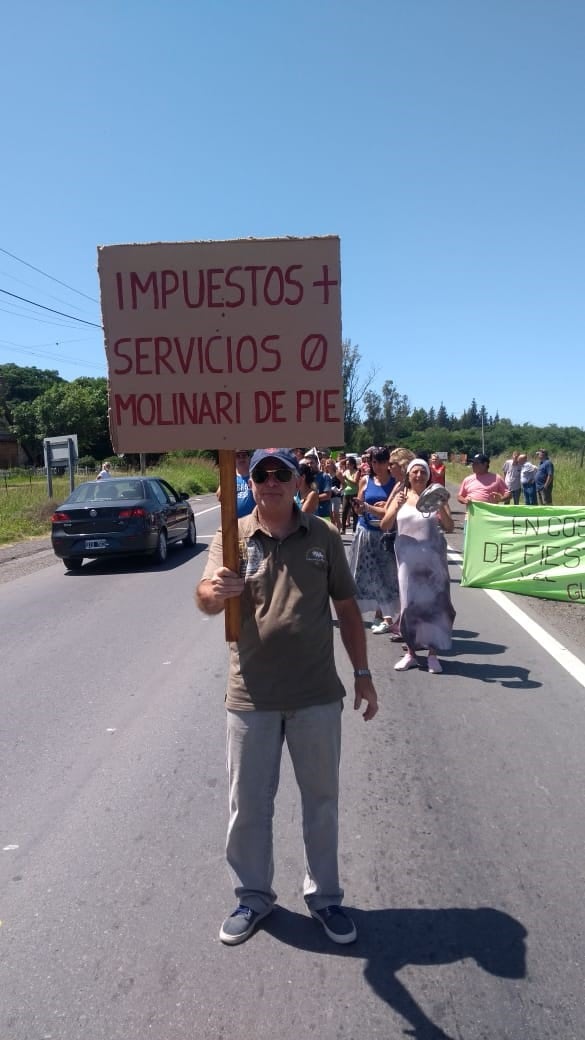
x=337 y=924
x=240 y=924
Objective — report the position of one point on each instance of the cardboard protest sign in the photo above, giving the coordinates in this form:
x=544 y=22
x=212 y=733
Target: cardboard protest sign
x=223 y=344
x=532 y=550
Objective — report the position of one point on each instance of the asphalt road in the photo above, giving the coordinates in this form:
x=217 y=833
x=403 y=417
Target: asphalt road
x=462 y=829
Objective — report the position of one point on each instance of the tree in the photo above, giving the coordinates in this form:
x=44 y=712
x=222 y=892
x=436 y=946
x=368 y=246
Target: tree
x=373 y=418
x=420 y=419
x=396 y=408
x=470 y=417
x=19 y=385
x=24 y=426
x=442 y=416
x=79 y=407
x=354 y=387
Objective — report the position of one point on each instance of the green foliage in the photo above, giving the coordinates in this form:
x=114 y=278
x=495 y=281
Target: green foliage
x=196 y=475
x=442 y=418
x=42 y=406
x=387 y=418
x=35 y=404
x=19 y=385
x=25 y=510
x=24 y=425
x=79 y=407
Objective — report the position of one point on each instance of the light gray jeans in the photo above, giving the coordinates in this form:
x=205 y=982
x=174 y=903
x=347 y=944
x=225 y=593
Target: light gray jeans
x=254 y=751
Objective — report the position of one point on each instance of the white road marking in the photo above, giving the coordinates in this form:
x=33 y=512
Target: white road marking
x=202 y=512
x=569 y=661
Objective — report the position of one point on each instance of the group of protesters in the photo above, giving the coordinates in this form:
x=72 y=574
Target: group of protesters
x=519 y=476
x=400 y=575
x=535 y=482
x=398 y=556
x=322 y=484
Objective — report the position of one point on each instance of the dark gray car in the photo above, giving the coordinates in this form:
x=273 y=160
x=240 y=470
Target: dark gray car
x=119 y=516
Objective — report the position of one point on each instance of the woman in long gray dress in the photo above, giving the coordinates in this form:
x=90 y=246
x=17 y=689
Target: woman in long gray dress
x=426 y=611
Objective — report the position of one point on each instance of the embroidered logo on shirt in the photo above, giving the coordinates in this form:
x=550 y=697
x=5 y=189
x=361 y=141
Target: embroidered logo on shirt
x=316 y=556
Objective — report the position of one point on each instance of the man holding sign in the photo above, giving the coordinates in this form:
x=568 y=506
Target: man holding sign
x=283 y=685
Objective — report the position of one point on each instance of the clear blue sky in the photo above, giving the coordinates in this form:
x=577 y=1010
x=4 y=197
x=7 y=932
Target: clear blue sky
x=442 y=140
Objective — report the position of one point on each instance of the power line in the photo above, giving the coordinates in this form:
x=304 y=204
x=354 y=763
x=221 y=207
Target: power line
x=51 y=343
x=29 y=316
x=29 y=285
x=53 y=357
x=44 y=273
x=51 y=309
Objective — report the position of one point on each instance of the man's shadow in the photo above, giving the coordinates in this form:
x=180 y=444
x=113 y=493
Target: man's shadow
x=389 y=940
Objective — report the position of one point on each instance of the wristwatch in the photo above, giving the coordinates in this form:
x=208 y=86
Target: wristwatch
x=362 y=673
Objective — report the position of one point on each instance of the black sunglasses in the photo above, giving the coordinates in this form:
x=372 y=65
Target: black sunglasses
x=259 y=476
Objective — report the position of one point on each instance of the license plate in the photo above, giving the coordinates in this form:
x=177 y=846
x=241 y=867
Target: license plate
x=96 y=543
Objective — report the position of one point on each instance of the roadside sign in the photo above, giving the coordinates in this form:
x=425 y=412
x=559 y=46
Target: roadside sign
x=58 y=449
x=60 y=452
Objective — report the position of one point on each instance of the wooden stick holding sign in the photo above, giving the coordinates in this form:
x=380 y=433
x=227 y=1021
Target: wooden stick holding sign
x=229 y=534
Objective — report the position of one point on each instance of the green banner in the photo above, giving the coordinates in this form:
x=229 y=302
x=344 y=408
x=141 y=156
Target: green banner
x=531 y=550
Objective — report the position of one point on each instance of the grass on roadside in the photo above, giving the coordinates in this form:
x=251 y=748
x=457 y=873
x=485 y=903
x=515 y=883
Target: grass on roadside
x=25 y=509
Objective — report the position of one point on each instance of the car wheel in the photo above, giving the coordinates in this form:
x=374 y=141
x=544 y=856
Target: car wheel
x=161 y=552
x=73 y=563
x=190 y=539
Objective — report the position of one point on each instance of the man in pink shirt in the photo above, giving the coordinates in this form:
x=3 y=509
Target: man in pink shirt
x=483 y=486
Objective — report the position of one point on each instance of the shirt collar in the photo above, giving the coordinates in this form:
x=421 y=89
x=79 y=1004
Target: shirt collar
x=301 y=521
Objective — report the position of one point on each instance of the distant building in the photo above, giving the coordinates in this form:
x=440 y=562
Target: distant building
x=11 y=454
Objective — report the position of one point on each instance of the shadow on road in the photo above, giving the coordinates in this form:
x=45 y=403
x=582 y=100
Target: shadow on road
x=177 y=557
x=477 y=646
x=512 y=676
x=465 y=643
x=389 y=940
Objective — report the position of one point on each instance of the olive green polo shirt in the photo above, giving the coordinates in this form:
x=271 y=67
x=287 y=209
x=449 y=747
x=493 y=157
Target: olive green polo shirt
x=284 y=657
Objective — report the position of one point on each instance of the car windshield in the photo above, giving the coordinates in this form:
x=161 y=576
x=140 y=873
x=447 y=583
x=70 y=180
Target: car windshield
x=107 y=491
